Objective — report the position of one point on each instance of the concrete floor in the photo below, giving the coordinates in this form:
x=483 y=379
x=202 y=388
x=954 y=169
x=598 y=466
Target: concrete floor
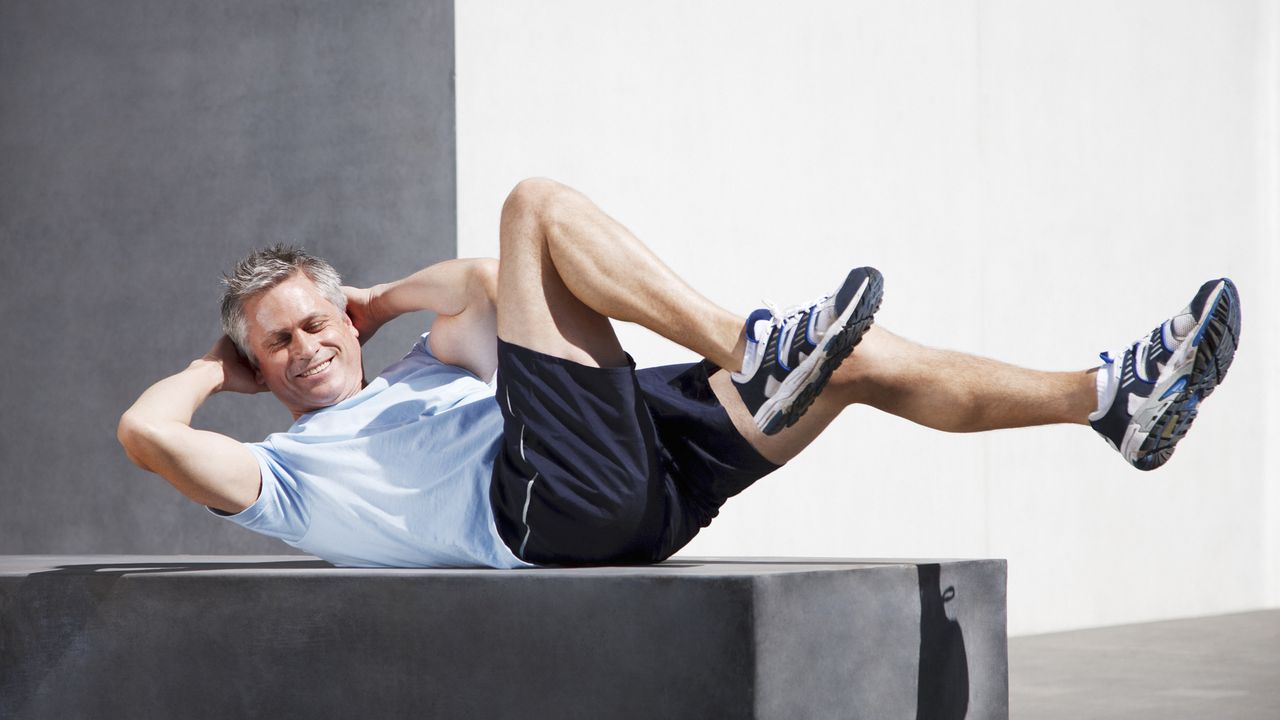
x=1225 y=666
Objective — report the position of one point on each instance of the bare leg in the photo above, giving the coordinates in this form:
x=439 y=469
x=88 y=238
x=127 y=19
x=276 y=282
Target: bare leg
x=940 y=389
x=566 y=268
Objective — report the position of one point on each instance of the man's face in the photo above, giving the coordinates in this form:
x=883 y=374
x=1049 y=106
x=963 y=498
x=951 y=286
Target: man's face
x=308 y=351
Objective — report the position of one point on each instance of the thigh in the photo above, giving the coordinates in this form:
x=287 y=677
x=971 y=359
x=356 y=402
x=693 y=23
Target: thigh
x=536 y=310
x=706 y=459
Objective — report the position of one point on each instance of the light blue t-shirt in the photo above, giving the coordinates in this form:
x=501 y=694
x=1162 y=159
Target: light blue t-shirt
x=396 y=475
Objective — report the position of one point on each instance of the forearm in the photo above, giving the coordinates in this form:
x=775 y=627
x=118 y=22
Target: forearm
x=168 y=403
x=448 y=288
x=177 y=397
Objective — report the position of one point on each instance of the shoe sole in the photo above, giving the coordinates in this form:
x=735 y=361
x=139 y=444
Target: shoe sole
x=804 y=383
x=1215 y=343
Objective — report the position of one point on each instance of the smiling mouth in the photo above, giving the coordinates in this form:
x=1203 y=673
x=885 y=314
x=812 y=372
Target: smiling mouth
x=317 y=369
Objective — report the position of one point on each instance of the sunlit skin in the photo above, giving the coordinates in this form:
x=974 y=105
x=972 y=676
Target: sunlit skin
x=308 y=350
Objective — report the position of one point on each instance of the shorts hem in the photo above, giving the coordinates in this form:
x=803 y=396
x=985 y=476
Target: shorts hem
x=571 y=365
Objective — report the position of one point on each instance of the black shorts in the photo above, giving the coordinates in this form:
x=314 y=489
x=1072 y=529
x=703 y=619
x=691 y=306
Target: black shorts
x=611 y=465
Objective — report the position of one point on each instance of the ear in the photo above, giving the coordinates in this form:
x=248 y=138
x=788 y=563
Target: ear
x=257 y=377
x=354 y=330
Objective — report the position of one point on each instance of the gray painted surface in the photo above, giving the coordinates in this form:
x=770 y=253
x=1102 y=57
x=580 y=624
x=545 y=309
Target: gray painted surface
x=281 y=636
x=953 y=649
x=1225 y=666
x=144 y=147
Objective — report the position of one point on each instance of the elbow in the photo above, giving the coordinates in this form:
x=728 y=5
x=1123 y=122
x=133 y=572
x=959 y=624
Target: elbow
x=484 y=280
x=127 y=430
x=131 y=432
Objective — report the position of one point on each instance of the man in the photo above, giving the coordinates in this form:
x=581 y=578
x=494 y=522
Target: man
x=570 y=455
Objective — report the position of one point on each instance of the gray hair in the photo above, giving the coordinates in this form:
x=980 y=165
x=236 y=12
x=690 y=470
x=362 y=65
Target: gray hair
x=263 y=270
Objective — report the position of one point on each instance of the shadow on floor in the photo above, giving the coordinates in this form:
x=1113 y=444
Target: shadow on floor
x=141 y=568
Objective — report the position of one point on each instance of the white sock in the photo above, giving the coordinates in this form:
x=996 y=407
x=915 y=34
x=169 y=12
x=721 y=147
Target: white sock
x=753 y=351
x=1107 y=386
x=761 y=330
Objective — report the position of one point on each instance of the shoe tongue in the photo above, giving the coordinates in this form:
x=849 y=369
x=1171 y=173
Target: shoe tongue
x=1182 y=325
x=822 y=320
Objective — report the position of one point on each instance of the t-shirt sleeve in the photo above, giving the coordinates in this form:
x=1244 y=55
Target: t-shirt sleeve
x=422 y=347
x=279 y=510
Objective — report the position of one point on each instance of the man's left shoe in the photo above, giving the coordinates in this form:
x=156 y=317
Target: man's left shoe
x=1159 y=381
x=791 y=355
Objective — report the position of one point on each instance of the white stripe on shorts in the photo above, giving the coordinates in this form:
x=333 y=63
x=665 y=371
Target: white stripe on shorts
x=528 y=495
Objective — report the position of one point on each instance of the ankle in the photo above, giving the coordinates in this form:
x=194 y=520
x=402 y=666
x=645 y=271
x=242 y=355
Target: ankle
x=739 y=351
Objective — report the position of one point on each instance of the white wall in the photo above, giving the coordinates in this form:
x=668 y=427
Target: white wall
x=1037 y=181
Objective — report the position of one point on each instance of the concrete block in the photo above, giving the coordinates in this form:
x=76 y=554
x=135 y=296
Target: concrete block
x=280 y=636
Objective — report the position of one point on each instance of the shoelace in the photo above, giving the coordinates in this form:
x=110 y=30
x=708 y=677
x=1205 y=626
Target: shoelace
x=1141 y=349
x=780 y=317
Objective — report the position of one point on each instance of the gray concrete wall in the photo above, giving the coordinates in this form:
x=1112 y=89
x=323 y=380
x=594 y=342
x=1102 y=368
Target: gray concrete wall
x=144 y=147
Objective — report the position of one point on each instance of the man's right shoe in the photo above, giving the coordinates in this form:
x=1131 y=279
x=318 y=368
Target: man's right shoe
x=1159 y=381
x=791 y=355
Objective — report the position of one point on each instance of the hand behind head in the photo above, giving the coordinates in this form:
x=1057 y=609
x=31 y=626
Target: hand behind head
x=360 y=309
x=238 y=375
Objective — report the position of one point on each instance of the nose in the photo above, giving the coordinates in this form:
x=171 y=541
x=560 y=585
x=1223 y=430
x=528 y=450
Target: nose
x=305 y=345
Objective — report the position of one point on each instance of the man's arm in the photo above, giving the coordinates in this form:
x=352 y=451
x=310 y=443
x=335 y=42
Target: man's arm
x=208 y=468
x=463 y=295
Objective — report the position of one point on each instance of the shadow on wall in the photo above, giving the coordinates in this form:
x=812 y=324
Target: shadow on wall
x=942 y=692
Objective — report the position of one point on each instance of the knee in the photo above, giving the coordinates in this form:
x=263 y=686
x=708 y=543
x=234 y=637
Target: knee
x=533 y=198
